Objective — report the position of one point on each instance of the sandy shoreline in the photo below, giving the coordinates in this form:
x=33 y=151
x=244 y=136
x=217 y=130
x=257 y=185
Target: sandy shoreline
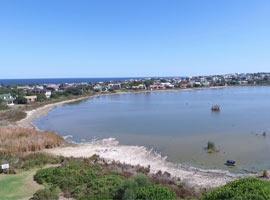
x=31 y=115
x=110 y=150
x=133 y=155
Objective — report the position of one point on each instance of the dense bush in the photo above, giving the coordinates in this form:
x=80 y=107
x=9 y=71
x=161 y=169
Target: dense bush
x=154 y=192
x=38 y=160
x=82 y=180
x=3 y=105
x=79 y=180
x=140 y=188
x=20 y=100
x=46 y=194
x=41 y=97
x=73 y=91
x=29 y=161
x=243 y=189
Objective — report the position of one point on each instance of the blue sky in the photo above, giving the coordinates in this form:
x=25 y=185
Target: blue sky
x=125 y=38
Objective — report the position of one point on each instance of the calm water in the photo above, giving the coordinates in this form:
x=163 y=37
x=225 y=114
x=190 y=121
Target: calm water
x=177 y=124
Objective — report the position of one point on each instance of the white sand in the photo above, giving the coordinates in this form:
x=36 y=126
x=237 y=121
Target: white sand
x=110 y=150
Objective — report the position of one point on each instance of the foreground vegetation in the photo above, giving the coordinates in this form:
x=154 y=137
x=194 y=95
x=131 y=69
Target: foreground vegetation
x=22 y=140
x=79 y=178
x=243 y=189
x=85 y=180
x=93 y=178
x=18 y=186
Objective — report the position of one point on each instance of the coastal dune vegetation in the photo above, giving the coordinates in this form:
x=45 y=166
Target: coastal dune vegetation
x=86 y=179
x=14 y=140
x=246 y=189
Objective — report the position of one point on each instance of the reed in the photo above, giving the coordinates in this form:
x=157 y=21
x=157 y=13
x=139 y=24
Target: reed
x=22 y=140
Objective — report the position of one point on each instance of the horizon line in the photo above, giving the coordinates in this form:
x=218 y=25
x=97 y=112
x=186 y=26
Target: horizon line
x=130 y=77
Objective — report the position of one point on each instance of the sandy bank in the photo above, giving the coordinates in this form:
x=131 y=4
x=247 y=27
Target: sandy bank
x=43 y=110
x=110 y=150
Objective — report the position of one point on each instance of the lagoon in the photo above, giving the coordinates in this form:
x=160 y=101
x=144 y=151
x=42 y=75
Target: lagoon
x=177 y=124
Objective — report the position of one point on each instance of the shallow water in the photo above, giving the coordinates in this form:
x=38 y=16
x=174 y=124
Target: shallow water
x=177 y=124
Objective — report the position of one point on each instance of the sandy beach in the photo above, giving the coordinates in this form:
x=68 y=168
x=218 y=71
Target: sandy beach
x=111 y=150
x=43 y=110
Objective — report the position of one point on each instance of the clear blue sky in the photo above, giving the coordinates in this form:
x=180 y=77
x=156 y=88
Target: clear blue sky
x=120 y=38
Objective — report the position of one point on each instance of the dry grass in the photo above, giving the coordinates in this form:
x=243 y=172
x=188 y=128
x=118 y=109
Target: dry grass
x=22 y=140
x=12 y=115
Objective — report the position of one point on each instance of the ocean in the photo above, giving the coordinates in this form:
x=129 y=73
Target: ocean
x=58 y=80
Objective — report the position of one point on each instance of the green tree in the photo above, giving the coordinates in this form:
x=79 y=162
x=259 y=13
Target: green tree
x=41 y=97
x=20 y=100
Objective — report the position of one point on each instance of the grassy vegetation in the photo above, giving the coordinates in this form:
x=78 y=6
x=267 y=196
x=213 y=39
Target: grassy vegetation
x=91 y=178
x=77 y=178
x=12 y=115
x=85 y=180
x=21 y=185
x=3 y=106
x=18 y=186
x=243 y=189
x=21 y=140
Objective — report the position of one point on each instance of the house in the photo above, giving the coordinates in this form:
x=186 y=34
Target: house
x=7 y=98
x=114 y=86
x=167 y=85
x=97 y=88
x=139 y=87
x=47 y=93
x=52 y=87
x=197 y=84
x=31 y=99
x=24 y=87
x=157 y=87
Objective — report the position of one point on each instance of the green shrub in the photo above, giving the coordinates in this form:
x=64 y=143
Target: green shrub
x=3 y=105
x=142 y=180
x=46 y=194
x=140 y=188
x=21 y=100
x=81 y=180
x=243 y=189
x=41 y=97
x=154 y=192
x=38 y=160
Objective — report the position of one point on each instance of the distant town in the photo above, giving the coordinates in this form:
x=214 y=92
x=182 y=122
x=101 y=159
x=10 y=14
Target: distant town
x=27 y=94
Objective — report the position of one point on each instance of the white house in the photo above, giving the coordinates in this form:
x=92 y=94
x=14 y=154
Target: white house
x=48 y=94
x=7 y=98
